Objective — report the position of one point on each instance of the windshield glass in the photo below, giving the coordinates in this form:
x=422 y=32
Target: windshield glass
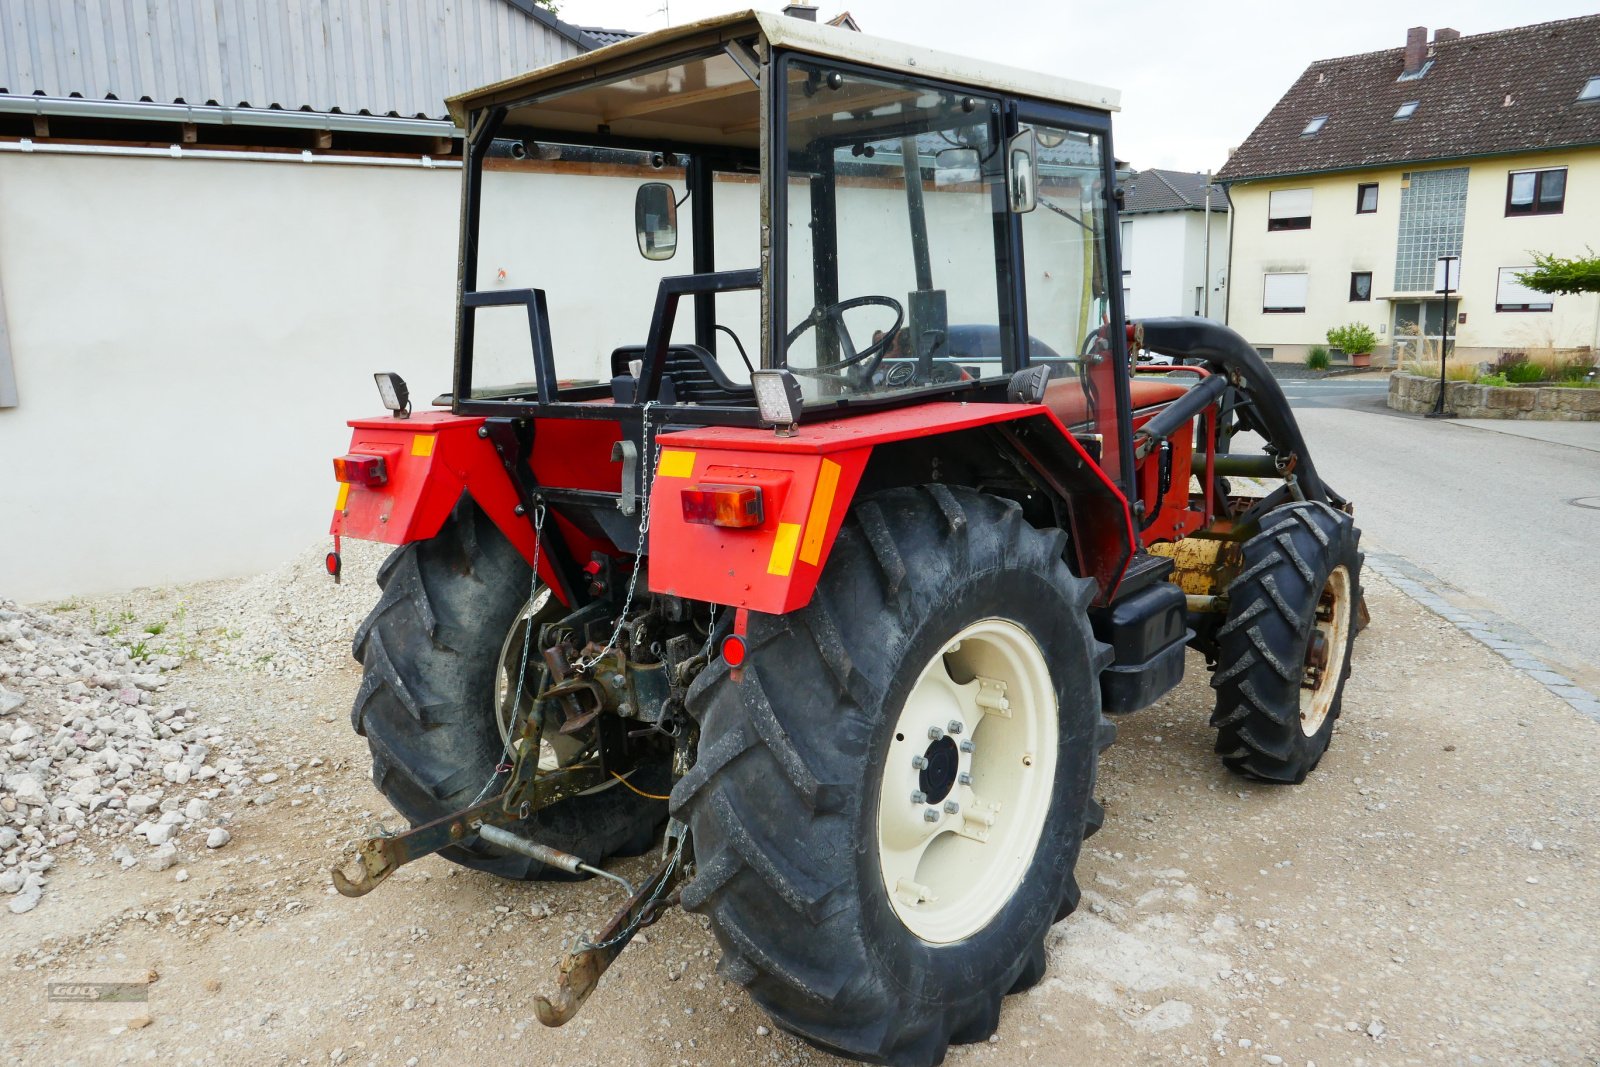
x=895 y=236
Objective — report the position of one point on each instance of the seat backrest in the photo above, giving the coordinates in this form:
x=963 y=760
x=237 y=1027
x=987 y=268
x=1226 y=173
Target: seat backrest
x=696 y=377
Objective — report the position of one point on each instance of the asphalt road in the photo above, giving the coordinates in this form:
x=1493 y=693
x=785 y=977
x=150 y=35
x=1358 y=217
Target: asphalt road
x=1483 y=508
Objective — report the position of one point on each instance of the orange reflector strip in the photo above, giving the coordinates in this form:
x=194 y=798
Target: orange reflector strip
x=821 y=510
x=736 y=507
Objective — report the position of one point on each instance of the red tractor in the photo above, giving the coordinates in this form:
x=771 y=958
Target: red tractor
x=833 y=553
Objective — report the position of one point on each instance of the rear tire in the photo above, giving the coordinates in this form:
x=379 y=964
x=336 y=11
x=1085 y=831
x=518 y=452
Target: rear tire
x=1304 y=561
x=429 y=652
x=803 y=760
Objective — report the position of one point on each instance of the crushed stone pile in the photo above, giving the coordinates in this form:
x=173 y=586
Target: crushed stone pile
x=294 y=621
x=92 y=757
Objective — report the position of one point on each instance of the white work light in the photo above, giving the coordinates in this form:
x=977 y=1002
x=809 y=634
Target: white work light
x=778 y=399
x=394 y=394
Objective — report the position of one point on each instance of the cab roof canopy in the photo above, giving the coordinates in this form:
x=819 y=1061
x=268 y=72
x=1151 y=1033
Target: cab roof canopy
x=687 y=84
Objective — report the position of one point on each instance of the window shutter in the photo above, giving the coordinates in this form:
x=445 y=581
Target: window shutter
x=1511 y=291
x=1289 y=204
x=1283 y=291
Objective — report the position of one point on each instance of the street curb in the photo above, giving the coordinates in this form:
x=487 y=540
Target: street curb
x=1423 y=587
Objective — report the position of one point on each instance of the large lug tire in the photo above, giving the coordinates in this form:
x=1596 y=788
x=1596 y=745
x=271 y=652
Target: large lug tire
x=429 y=653
x=802 y=796
x=1283 y=653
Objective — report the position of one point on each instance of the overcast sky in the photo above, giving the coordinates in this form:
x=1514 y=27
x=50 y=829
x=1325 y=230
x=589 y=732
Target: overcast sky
x=1195 y=78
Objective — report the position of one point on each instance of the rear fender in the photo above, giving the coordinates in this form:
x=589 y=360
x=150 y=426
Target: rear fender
x=432 y=458
x=809 y=480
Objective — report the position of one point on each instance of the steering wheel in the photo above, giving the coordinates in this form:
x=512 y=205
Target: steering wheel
x=834 y=313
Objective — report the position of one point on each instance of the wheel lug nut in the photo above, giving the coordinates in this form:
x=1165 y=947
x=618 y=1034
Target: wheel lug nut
x=918 y=797
x=934 y=733
x=965 y=778
x=930 y=815
x=919 y=762
x=955 y=726
x=952 y=807
x=966 y=745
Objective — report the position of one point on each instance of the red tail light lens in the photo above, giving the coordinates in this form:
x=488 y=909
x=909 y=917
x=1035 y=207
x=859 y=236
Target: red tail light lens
x=733 y=650
x=356 y=469
x=737 y=507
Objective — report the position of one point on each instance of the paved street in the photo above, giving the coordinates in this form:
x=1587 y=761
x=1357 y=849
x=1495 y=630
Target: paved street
x=1486 y=507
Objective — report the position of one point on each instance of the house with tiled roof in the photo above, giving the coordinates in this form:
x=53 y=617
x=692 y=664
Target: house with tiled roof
x=1174 y=244
x=1372 y=167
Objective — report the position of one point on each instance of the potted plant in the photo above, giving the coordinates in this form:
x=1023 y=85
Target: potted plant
x=1356 y=341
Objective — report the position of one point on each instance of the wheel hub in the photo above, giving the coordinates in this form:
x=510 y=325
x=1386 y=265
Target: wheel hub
x=1325 y=649
x=968 y=781
x=938 y=776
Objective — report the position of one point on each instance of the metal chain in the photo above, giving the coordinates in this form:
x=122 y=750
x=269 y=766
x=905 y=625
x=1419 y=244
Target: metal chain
x=652 y=449
x=522 y=667
x=645 y=908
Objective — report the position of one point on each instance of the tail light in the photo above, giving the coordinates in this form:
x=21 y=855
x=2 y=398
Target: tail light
x=737 y=507
x=356 y=469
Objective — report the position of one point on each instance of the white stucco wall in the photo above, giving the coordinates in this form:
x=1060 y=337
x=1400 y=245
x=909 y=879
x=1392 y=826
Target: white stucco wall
x=1341 y=241
x=1167 y=263
x=189 y=337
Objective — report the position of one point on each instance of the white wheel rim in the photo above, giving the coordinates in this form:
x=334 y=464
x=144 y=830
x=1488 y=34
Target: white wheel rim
x=979 y=730
x=1321 y=682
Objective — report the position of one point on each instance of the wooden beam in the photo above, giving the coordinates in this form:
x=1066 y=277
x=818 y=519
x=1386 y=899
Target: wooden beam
x=442 y=146
x=41 y=126
x=322 y=139
x=191 y=133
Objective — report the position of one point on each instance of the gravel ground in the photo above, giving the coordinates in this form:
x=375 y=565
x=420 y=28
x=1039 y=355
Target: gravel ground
x=1427 y=897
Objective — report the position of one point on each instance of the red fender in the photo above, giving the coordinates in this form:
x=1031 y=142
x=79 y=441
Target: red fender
x=808 y=481
x=433 y=457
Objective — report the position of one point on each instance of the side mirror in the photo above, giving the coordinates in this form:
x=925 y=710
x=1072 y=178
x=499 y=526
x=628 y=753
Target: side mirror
x=655 y=219
x=1022 y=172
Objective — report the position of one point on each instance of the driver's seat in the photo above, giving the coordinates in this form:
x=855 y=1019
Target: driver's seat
x=696 y=376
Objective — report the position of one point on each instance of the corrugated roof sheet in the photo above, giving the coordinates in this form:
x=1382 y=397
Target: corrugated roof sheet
x=1491 y=93
x=351 y=56
x=1170 y=190
x=604 y=37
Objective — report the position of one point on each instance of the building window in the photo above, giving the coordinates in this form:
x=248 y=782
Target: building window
x=1366 y=198
x=1536 y=192
x=1127 y=247
x=1314 y=126
x=1406 y=110
x=1283 y=294
x=1591 y=90
x=1361 y=285
x=1511 y=295
x=1289 y=209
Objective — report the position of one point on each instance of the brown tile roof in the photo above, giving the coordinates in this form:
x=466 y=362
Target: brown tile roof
x=1509 y=91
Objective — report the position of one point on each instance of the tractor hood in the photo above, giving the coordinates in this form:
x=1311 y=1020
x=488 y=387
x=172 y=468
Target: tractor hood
x=759 y=30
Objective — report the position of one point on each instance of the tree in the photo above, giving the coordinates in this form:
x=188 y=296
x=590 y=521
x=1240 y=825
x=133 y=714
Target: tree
x=1553 y=274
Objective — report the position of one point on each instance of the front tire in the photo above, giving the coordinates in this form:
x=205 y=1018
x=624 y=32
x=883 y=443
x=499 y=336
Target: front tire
x=801 y=804
x=1283 y=655
x=430 y=651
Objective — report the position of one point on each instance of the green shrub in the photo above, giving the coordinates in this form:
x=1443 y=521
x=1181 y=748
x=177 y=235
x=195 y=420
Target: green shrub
x=1317 y=358
x=1493 y=379
x=1524 y=373
x=1354 y=339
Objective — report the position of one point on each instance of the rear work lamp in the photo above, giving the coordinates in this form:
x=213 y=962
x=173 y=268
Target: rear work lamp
x=737 y=507
x=778 y=399
x=394 y=394
x=357 y=469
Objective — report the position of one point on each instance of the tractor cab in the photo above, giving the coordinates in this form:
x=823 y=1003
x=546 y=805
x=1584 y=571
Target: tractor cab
x=755 y=192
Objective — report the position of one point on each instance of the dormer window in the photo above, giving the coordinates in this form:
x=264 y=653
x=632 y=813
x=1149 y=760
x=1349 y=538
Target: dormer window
x=1591 y=90
x=1314 y=125
x=1406 y=110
